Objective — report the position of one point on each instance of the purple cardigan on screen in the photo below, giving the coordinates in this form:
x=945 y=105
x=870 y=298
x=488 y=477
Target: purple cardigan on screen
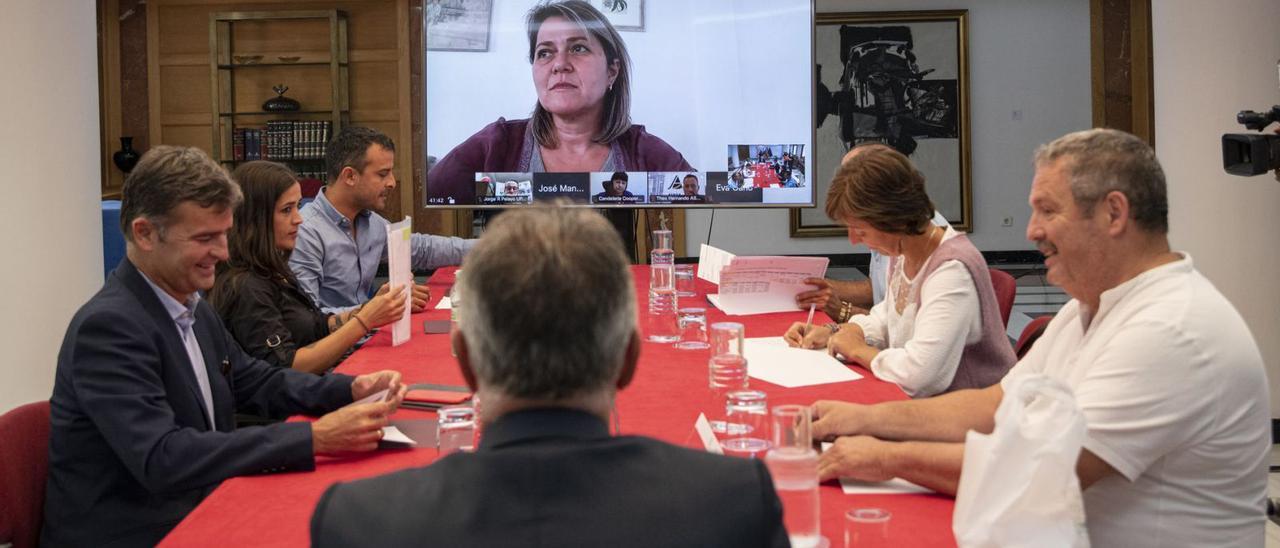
x=506 y=146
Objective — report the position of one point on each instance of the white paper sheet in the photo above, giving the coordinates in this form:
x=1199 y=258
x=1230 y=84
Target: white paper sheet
x=374 y=397
x=703 y=427
x=895 y=486
x=710 y=261
x=391 y=434
x=445 y=303
x=400 y=272
x=760 y=285
x=771 y=360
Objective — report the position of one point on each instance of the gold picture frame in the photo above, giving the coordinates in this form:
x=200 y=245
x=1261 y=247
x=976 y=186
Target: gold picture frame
x=900 y=77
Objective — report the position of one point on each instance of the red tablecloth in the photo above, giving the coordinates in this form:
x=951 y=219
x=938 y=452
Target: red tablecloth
x=663 y=401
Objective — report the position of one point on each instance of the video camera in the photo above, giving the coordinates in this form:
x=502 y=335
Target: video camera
x=1249 y=154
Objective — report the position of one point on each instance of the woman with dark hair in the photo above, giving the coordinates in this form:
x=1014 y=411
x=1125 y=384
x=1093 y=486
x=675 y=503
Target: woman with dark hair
x=614 y=188
x=939 y=328
x=582 y=119
x=258 y=297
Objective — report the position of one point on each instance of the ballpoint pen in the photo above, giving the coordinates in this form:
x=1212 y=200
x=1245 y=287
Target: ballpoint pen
x=808 y=324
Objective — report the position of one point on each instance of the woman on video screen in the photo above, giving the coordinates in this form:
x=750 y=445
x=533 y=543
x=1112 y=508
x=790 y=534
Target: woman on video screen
x=582 y=120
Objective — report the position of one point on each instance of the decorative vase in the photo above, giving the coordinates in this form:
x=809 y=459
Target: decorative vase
x=126 y=157
x=280 y=103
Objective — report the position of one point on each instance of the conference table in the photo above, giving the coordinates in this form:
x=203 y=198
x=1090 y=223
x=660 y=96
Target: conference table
x=669 y=391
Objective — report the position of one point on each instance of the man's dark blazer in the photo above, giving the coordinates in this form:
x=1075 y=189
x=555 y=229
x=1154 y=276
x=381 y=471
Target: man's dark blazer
x=131 y=450
x=554 y=477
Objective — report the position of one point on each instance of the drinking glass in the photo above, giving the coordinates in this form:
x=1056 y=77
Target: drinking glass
x=727 y=338
x=684 y=281
x=454 y=301
x=866 y=527
x=793 y=463
x=693 y=329
x=727 y=370
x=456 y=429
x=792 y=426
x=746 y=423
x=661 y=322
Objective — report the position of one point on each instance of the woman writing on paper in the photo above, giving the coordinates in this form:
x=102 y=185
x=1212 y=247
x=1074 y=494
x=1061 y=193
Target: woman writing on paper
x=257 y=295
x=939 y=327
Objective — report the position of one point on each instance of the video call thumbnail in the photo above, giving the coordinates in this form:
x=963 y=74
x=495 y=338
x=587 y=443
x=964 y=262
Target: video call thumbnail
x=721 y=191
x=766 y=166
x=619 y=188
x=676 y=187
x=754 y=183
x=504 y=188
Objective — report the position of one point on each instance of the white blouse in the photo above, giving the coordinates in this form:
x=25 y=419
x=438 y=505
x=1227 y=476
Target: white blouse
x=920 y=349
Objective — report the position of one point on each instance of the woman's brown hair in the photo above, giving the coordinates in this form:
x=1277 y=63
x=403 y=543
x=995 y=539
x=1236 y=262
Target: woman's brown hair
x=880 y=186
x=251 y=243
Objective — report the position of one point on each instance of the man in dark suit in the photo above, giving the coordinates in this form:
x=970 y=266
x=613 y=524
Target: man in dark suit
x=148 y=378
x=547 y=335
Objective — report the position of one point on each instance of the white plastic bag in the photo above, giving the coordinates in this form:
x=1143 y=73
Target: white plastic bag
x=1018 y=487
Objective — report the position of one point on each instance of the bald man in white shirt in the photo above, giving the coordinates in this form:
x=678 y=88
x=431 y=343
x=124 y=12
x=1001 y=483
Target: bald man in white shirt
x=1169 y=378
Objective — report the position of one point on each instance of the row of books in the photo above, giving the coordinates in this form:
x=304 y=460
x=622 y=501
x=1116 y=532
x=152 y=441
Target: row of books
x=282 y=140
x=311 y=173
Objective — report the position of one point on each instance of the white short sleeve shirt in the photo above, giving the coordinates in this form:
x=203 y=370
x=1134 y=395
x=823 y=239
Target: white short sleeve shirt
x=1175 y=397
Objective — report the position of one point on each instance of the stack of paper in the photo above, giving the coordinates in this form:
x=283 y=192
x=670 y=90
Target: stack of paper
x=757 y=285
x=771 y=360
x=400 y=273
x=710 y=261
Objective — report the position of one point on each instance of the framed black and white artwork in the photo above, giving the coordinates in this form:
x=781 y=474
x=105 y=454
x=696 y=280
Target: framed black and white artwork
x=623 y=14
x=899 y=78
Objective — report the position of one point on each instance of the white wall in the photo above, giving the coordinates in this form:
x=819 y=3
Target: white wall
x=1027 y=56
x=50 y=216
x=1212 y=60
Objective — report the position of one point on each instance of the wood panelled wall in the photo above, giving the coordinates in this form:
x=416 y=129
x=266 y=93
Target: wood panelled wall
x=1120 y=35
x=175 y=69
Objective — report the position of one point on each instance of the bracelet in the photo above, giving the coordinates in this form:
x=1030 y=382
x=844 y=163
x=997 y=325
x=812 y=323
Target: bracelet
x=834 y=327
x=362 y=324
x=846 y=311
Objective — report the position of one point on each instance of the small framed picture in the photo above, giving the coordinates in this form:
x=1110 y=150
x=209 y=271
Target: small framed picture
x=457 y=25
x=624 y=14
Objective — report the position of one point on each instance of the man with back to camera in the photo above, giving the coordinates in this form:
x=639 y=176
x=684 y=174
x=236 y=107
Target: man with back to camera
x=1169 y=379
x=148 y=379
x=546 y=339
x=342 y=241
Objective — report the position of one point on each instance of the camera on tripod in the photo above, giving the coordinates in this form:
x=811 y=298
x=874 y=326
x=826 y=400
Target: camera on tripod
x=1251 y=153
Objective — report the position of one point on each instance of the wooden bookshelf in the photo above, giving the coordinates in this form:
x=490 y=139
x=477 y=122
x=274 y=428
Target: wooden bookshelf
x=251 y=51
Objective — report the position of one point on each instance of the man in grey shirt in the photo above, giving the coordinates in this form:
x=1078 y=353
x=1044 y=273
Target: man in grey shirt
x=342 y=241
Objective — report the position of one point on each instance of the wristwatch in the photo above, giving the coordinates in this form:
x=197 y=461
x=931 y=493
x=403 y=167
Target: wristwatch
x=846 y=311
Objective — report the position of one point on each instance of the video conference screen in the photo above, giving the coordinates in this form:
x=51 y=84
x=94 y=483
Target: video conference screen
x=619 y=103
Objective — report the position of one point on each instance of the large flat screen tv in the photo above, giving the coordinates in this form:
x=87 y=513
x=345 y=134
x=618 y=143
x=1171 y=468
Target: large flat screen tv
x=619 y=103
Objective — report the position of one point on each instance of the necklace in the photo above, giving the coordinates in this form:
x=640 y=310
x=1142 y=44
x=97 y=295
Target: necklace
x=901 y=285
